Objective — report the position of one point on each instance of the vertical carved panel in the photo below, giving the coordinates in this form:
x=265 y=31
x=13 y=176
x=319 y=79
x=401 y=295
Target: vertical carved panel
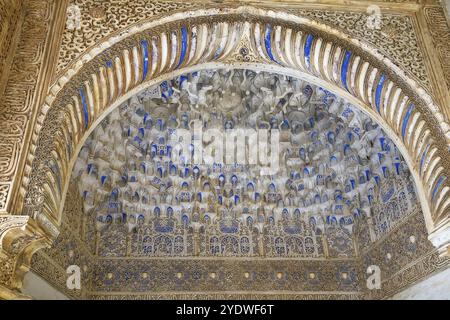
x=20 y=97
x=10 y=20
x=440 y=33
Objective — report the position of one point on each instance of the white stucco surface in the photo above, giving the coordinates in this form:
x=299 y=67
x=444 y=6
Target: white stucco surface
x=436 y=287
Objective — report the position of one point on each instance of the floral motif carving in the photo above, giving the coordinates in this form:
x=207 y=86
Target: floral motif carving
x=10 y=20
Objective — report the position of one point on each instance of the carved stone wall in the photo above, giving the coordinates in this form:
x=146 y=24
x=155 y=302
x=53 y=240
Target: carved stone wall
x=398 y=243
x=107 y=18
x=18 y=104
x=20 y=238
x=396 y=36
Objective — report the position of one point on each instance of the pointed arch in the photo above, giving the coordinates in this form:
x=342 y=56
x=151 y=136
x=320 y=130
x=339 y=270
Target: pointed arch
x=244 y=37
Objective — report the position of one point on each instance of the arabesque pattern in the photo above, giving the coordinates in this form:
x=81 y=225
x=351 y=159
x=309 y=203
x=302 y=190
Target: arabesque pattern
x=268 y=40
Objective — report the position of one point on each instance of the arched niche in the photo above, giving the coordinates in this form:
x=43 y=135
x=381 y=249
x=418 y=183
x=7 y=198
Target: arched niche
x=244 y=37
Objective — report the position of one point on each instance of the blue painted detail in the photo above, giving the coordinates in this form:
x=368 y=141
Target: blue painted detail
x=109 y=64
x=307 y=52
x=346 y=148
x=159 y=227
x=112 y=205
x=267 y=42
x=344 y=69
x=406 y=119
x=183 y=46
x=85 y=108
x=377 y=179
x=422 y=160
x=438 y=185
x=55 y=170
x=382 y=141
x=182 y=79
x=144 y=44
x=378 y=92
x=292 y=229
x=367 y=174
x=397 y=168
x=350 y=136
x=380 y=157
x=227 y=228
x=166 y=90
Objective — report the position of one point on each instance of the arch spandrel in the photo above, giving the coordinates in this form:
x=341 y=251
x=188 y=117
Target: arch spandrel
x=153 y=51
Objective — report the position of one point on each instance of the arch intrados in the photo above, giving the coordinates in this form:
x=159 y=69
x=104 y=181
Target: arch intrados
x=258 y=68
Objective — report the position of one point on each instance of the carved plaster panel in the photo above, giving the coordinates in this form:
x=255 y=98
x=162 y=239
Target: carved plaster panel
x=396 y=35
x=397 y=223
x=99 y=19
x=440 y=32
x=18 y=103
